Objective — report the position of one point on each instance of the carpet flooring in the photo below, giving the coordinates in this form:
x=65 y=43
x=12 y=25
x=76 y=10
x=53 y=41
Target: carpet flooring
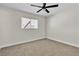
x=42 y=47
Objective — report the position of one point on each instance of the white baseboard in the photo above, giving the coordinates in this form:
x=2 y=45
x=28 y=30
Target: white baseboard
x=7 y=45
x=74 y=45
x=38 y=39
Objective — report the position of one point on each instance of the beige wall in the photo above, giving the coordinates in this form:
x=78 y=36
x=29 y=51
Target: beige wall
x=10 y=27
x=64 y=26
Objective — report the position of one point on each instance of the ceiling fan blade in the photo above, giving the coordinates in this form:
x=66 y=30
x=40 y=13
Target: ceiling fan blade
x=52 y=6
x=46 y=10
x=39 y=10
x=36 y=6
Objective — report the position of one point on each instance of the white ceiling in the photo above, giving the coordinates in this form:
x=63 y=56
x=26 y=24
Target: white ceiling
x=27 y=8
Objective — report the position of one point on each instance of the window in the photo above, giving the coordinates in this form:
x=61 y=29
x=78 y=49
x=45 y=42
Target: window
x=27 y=23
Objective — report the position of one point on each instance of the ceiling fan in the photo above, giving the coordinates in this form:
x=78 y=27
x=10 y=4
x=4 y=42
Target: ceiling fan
x=45 y=7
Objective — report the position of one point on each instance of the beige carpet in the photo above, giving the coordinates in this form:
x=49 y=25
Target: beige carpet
x=44 y=47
